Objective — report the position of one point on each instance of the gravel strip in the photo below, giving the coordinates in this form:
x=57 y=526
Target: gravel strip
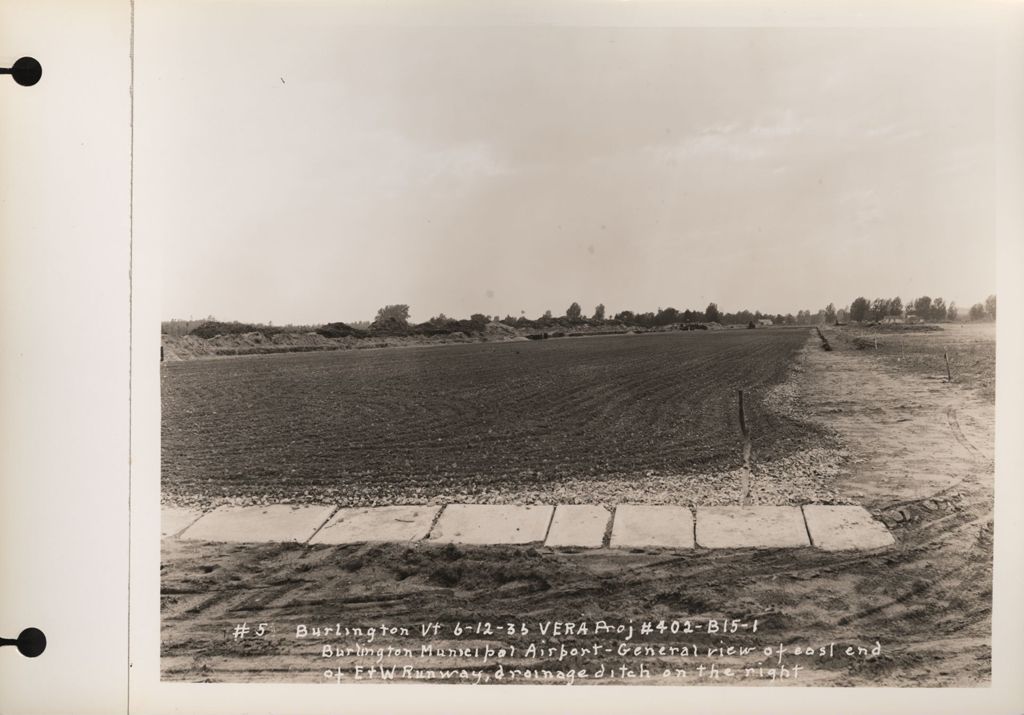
x=808 y=476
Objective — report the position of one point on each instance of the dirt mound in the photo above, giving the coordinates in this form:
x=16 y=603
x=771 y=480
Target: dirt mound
x=339 y=330
x=500 y=330
x=191 y=347
x=214 y=328
x=186 y=347
x=307 y=339
x=905 y=327
x=334 y=336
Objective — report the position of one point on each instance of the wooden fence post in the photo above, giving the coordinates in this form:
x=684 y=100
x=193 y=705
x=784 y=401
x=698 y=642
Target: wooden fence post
x=745 y=483
x=949 y=375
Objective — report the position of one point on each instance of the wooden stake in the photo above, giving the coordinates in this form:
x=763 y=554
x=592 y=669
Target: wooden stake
x=949 y=375
x=743 y=421
x=745 y=482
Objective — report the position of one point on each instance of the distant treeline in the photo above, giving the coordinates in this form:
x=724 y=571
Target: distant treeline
x=396 y=317
x=923 y=309
x=393 y=320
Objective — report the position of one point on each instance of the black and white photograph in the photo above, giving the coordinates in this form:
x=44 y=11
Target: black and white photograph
x=554 y=354
x=511 y=356
x=568 y=354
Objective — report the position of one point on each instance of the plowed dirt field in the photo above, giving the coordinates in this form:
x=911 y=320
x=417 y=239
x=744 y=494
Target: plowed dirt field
x=410 y=423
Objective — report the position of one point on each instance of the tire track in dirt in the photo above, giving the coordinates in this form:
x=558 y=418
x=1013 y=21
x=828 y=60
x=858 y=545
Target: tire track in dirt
x=954 y=425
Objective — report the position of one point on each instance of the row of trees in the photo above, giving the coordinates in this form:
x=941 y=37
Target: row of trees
x=924 y=308
x=986 y=311
x=394 y=317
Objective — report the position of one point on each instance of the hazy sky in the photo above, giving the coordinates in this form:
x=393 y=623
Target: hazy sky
x=310 y=162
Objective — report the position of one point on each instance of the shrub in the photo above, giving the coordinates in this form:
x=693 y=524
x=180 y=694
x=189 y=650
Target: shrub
x=212 y=328
x=339 y=330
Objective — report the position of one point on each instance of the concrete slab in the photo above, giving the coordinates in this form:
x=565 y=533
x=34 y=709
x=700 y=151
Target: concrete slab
x=492 y=524
x=640 y=525
x=580 y=525
x=842 y=528
x=757 y=527
x=173 y=520
x=276 y=522
x=380 y=523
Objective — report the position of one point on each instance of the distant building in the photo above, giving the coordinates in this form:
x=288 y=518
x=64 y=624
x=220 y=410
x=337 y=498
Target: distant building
x=765 y=321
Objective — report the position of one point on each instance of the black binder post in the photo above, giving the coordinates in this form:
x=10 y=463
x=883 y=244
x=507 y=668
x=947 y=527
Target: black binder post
x=26 y=71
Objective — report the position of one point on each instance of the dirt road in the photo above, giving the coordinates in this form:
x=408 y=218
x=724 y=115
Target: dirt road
x=920 y=458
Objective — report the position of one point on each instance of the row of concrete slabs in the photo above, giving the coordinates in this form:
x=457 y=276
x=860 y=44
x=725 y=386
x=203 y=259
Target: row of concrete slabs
x=566 y=526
